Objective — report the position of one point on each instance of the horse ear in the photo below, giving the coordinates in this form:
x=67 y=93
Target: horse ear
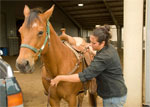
x=49 y=12
x=26 y=11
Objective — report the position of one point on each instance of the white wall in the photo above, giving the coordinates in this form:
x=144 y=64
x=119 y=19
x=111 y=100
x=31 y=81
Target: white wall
x=144 y=36
x=113 y=32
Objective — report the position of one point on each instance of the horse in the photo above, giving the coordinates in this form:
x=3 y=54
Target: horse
x=39 y=40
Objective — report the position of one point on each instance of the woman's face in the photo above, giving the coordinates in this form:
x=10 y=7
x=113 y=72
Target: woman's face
x=95 y=44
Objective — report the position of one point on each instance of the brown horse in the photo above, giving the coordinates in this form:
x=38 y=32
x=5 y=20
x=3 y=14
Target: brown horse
x=39 y=39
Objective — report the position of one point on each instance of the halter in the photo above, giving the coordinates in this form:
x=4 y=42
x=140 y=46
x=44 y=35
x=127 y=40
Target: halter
x=35 y=50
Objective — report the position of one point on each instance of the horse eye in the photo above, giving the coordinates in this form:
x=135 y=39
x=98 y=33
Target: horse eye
x=40 y=33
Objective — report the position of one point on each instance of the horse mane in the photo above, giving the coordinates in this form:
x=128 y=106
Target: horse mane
x=34 y=15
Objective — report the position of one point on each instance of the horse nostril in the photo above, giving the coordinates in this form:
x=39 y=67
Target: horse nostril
x=20 y=66
x=25 y=63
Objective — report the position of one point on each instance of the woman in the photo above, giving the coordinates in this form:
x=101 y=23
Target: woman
x=105 y=67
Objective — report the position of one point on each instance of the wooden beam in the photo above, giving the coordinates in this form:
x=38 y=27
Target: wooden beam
x=74 y=3
x=111 y=13
x=91 y=15
x=90 y=11
x=95 y=23
x=96 y=20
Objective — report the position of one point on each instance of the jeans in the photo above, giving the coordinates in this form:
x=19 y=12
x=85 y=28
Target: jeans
x=114 y=101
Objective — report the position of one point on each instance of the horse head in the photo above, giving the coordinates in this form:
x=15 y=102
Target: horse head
x=35 y=34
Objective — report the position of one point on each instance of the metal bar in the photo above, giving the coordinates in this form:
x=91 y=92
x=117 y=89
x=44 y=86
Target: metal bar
x=147 y=55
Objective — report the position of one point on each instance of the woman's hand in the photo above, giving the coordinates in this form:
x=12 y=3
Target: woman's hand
x=67 y=78
x=55 y=81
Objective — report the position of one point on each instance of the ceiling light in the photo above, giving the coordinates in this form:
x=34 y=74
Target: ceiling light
x=80 y=4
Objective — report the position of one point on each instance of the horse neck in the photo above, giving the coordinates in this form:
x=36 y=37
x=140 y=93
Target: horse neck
x=55 y=53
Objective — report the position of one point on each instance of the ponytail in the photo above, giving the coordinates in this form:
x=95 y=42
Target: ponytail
x=103 y=34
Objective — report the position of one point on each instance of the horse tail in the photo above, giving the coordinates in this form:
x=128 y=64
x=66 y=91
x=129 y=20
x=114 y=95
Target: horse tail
x=93 y=99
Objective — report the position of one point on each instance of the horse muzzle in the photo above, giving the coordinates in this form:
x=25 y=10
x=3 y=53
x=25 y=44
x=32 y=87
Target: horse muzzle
x=24 y=66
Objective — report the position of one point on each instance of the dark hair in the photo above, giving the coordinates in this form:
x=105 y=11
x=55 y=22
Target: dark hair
x=33 y=15
x=102 y=33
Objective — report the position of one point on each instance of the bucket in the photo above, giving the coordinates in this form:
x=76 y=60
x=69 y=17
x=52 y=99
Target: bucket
x=5 y=51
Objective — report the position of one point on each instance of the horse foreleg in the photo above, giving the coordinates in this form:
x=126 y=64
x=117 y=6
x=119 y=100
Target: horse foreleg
x=54 y=102
x=80 y=99
x=93 y=99
x=72 y=101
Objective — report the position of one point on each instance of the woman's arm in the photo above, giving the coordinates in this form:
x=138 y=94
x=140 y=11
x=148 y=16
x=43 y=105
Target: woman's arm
x=68 y=78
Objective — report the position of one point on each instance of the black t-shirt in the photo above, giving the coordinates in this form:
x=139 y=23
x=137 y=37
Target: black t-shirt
x=107 y=70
